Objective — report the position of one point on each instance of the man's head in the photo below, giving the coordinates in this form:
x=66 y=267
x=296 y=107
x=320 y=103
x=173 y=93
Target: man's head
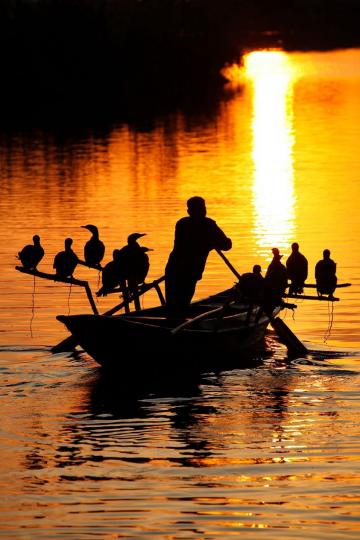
x=295 y=247
x=326 y=253
x=196 y=207
x=257 y=269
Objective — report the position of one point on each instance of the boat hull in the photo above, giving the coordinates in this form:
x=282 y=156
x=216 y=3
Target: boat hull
x=116 y=342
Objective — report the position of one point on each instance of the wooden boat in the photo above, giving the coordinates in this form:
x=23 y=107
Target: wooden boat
x=213 y=326
x=217 y=327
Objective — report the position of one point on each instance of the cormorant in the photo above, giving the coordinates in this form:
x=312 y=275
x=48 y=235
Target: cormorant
x=111 y=274
x=31 y=254
x=297 y=268
x=94 y=248
x=138 y=267
x=134 y=261
x=325 y=275
x=275 y=280
x=251 y=285
x=66 y=261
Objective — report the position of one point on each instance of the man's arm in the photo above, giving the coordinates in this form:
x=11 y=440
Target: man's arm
x=220 y=240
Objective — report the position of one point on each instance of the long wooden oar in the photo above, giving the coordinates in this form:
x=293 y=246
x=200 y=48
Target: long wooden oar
x=228 y=263
x=289 y=339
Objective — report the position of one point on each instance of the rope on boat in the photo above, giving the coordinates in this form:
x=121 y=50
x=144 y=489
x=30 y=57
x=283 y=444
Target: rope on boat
x=32 y=309
x=68 y=302
x=330 y=321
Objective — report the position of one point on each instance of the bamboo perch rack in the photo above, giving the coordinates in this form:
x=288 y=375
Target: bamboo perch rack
x=70 y=281
x=83 y=263
x=338 y=286
x=308 y=297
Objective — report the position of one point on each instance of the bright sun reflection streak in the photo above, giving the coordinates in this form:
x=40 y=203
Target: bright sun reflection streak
x=272 y=77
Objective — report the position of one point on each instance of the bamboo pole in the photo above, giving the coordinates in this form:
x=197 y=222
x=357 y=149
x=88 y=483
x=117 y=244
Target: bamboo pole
x=70 y=280
x=188 y=322
x=83 y=263
x=338 y=286
x=308 y=297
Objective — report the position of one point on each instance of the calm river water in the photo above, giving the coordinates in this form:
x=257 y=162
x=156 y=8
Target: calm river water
x=270 y=448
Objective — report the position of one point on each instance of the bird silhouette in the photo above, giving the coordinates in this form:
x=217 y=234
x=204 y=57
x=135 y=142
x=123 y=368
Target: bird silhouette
x=111 y=274
x=133 y=260
x=325 y=275
x=31 y=254
x=94 y=248
x=297 y=269
x=66 y=261
x=138 y=266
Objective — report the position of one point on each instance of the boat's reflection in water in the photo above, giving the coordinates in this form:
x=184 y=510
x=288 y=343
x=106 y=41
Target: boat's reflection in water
x=118 y=392
x=174 y=420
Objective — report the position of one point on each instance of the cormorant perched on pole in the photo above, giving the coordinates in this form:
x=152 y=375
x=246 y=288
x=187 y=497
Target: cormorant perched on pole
x=111 y=274
x=66 y=261
x=138 y=267
x=275 y=282
x=325 y=275
x=134 y=261
x=94 y=248
x=31 y=254
x=297 y=269
x=134 y=264
x=130 y=252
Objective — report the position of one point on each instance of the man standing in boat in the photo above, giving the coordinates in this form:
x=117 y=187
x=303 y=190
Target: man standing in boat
x=195 y=236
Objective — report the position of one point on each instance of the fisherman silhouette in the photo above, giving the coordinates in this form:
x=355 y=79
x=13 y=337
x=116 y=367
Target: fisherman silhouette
x=195 y=236
x=94 y=248
x=111 y=274
x=275 y=280
x=297 y=269
x=31 y=254
x=66 y=261
x=325 y=275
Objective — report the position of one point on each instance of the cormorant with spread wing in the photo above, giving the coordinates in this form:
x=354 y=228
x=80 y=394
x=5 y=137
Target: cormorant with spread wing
x=66 y=261
x=94 y=248
x=31 y=254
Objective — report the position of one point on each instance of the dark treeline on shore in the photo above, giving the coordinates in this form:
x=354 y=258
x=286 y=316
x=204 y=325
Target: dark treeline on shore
x=83 y=50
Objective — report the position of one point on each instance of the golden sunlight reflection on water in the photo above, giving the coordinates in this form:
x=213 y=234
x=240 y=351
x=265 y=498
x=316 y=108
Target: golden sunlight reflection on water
x=277 y=162
x=272 y=77
x=270 y=448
